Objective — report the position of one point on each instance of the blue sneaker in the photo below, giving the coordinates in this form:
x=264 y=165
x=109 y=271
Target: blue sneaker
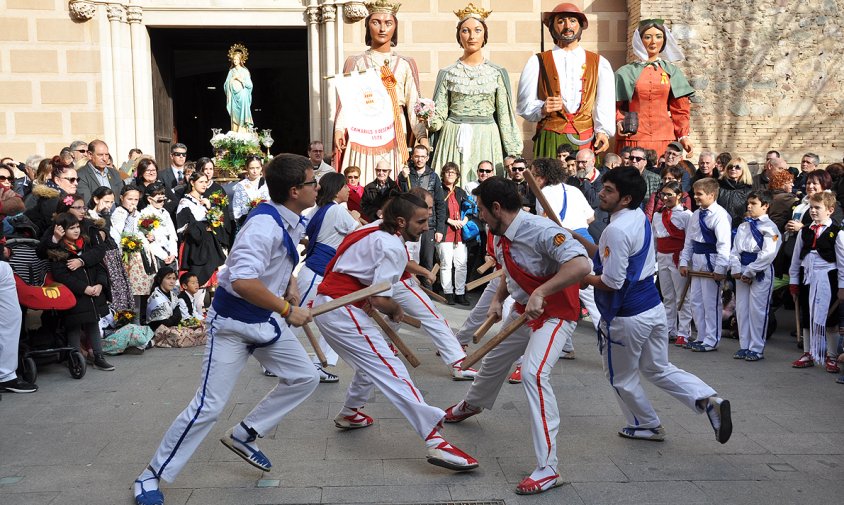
x=753 y=356
x=741 y=354
x=701 y=347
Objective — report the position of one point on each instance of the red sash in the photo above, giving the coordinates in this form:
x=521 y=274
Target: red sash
x=564 y=304
x=673 y=243
x=490 y=248
x=337 y=284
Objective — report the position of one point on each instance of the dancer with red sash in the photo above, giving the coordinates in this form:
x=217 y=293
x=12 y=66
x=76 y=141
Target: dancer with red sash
x=543 y=267
x=368 y=256
x=631 y=336
x=669 y=228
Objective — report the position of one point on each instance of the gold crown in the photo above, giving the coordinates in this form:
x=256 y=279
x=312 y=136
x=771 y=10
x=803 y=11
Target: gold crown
x=383 y=6
x=239 y=48
x=471 y=11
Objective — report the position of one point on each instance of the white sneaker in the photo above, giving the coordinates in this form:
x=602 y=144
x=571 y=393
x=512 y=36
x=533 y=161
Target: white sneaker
x=718 y=411
x=459 y=374
x=354 y=421
x=653 y=434
x=447 y=456
x=326 y=377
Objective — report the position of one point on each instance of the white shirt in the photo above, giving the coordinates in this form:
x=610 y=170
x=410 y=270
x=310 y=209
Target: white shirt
x=623 y=238
x=578 y=210
x=536 y=248
x=244 y=192
x=124 y=222
x=335 y=226
x=679 y=217
x=165 y=236
x=744 y=242
x=322 y=169
x=570 y=70
x=813 y=264
x=178 y=174
x=378 y=257
x=718 y=220
x=259 y=252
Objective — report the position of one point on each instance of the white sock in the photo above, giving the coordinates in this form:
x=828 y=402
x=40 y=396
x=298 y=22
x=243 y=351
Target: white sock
x=434 y=439
x=348 y=411
x=541 y=473
x=148 y=480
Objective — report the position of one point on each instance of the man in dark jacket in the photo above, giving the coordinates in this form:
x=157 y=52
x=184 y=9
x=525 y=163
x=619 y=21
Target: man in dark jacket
x=377 y=192
x=421 y=175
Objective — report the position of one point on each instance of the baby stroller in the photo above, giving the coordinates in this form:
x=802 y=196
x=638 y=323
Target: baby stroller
x=38 y=291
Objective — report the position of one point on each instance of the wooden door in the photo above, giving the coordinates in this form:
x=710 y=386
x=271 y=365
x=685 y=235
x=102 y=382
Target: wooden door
x=162 y=93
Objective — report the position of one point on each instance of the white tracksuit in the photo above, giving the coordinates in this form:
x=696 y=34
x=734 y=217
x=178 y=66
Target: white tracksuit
x=671 y=283
x=10 y=323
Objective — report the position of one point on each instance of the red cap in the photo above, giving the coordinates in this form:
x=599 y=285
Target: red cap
x=566 y=8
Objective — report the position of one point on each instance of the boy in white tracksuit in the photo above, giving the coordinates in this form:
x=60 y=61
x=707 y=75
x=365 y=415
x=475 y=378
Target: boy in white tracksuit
x=755 y=246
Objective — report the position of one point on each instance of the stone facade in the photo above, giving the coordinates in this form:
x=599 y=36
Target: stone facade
x=767 y=71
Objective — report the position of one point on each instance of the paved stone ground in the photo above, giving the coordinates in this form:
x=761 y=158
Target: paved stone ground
x=83 y=442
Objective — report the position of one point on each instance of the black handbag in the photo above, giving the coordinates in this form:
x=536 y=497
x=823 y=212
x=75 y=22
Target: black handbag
x=630 y=123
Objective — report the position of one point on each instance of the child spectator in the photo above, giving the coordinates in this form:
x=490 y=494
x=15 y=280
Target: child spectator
x=752 y=263
x=139 y=264
x=162 y=238
x=669 y=227
x=814 y=280
x=706 y=250
x=172 y=327
x=187 y=297
x=88 y=282
x=99 y=210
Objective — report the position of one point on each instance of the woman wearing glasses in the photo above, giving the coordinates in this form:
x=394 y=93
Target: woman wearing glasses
x=41 y=203
x=10 y=202
x=654 y=89
x=734 y=186
x=474 y=116
x=146 y=174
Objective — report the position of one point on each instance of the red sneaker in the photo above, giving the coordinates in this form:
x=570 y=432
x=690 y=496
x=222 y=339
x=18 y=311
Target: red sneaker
x=681 y=341
x=353 y=422
x=516 y=376
x=805 y=361
x=832 y=365
x=459 y=412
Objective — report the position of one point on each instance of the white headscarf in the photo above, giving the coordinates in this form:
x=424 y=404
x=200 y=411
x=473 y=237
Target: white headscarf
x=671 y=52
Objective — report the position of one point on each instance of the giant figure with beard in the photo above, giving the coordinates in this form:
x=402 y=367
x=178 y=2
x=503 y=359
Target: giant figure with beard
x=568 y=91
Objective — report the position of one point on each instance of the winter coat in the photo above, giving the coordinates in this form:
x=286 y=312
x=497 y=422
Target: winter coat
x=732 y=195
x=88 y=309
x=373 y=198
x=41 y=205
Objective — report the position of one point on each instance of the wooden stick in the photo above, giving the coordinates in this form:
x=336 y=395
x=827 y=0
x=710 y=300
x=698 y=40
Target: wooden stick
x=493 y=342
x=411 y=321
x=537 y=192
x=435 y=269
x=393 y=336
x=480 y=332
x=797 y=316
x=685 y=292
x=489 y=263
x=483 y=280
x=315 y=344
x=707 y=275
x=434 y=296
x=353 y=297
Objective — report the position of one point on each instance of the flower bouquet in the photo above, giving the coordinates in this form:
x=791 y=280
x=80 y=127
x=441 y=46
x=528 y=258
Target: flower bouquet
x=235 y=147
x=148 y=222
x=424 y=108
x=255 y=202
x=124 y=317
x=190 y=322
x=218 y=199
x=130 y=243
x=215 y=218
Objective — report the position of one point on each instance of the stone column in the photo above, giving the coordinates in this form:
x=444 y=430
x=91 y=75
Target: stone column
x=141 y=77
x=314 y=71
x=329 y=18
x=121 y=63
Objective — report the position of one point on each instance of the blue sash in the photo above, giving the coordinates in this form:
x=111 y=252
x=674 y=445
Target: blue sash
x=708 y=246
x=233 y=307
x=746 y=258
x=565 y=204
x=318 y=255
x=635 y=296
x=266 y=209
x=584 y=232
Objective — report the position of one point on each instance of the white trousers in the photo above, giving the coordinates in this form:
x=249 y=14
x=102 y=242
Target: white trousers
x=671 y=284
x=416 y=303
x=358 y=341
x=10 y=323
x=478 y=314
x=308 y=281
x=753 y=302
x=639 y=345
x=452 y=255
x=226 y=353
x=705 y=298
x=541 y=349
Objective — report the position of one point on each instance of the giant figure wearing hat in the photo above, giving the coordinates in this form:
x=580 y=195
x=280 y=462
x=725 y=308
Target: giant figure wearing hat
x=401 y=78
x=568 y=91
x=654 y=90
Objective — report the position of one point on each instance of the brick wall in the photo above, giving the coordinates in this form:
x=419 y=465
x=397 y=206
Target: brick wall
x=49 y=78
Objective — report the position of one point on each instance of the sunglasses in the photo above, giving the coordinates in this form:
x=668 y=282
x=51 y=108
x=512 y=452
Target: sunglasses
x=3 y=178
x=380 y=171
x=518 y=169
x=733 y=167
x=178 y=155
x=71 y=180
x=636 y=159
x=482 y=171
x=667 y=195
x=352 y=177
x=78 y=207
x=81 y=150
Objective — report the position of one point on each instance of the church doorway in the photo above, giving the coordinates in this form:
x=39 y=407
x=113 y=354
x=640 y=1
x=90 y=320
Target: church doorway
x=190 y=66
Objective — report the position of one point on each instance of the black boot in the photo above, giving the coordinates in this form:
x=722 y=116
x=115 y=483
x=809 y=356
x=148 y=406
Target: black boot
x=449 y=298
x=461 y=299
x=101 y=363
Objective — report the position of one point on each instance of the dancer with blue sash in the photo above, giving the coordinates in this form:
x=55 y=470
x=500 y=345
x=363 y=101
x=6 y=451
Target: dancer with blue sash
x=707 y=249
x=756 y=245
x=632 y=336
x=327 y=227
x=250 y=315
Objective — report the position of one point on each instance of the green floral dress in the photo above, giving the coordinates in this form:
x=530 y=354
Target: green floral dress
x=474 y=118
